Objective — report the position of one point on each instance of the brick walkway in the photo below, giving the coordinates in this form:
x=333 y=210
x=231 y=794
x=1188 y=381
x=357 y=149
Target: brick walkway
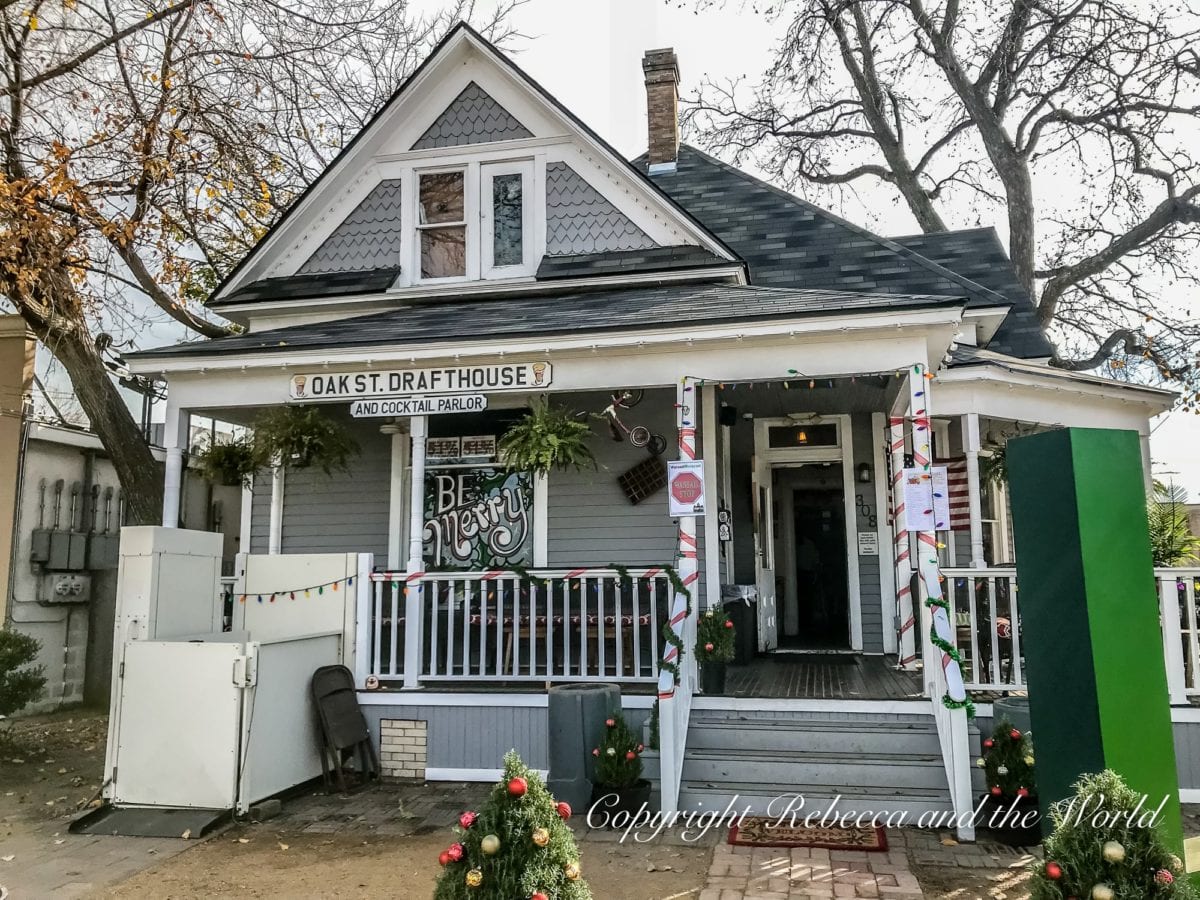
x=768 y=873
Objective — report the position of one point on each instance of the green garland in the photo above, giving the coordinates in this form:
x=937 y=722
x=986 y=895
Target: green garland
x=950 y=650
x=668 y=633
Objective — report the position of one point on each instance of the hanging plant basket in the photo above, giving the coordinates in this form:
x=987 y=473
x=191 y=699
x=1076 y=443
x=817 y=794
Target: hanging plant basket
x=302 y=437
x=547 y=438
x=231 y=462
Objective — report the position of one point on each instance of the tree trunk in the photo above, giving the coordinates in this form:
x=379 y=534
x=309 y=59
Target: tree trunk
x=140 y=474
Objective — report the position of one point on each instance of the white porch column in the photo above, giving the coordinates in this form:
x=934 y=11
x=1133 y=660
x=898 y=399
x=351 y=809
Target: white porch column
x=971 y=444
x=414 y=611
x=175 y=437
x=399 y=451
x=906 y=641
x=708 y=450
x=275 y=534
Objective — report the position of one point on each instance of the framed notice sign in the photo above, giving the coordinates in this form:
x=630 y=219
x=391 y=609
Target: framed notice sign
x=685 y=487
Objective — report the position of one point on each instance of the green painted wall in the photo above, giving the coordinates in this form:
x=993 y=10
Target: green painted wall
x=1093 y=648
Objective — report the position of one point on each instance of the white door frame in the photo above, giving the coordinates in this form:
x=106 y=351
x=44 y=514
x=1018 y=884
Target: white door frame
x=843 y=451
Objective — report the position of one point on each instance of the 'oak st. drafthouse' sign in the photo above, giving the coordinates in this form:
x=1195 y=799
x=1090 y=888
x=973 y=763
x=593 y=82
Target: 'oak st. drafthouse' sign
x=407 y=382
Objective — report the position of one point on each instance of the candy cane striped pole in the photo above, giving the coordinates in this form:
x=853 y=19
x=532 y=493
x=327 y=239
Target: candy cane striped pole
x=907 y=645
x=928 y=569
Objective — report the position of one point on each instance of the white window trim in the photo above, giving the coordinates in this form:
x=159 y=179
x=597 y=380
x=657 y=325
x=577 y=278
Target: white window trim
x=470 y=173
x=487 y=231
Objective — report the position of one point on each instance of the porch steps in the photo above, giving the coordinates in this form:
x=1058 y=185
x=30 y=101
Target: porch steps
x=883 y=763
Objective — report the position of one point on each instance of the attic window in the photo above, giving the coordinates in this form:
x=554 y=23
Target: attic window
x=475 y=222
x=443 y=225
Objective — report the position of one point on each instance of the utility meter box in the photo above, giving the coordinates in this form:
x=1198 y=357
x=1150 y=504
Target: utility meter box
x=65 y=587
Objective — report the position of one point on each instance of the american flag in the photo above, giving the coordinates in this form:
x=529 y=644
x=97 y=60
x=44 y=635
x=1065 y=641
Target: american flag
x=960 y=497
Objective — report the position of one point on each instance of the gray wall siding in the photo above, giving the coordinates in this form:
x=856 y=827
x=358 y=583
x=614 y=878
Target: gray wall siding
x=473 y=117
x=477 y=737
x=868 y=566
x=579 y=219
x=589 y=521
x=346 y=512
x=1187 y=754
x=368 y=238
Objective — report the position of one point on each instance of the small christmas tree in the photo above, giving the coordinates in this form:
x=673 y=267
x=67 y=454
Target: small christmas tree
x=619 y=756
x=1104 y=847
x=518 y=847
x=1007 y=762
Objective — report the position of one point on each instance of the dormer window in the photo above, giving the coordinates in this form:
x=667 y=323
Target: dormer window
x=475 y=221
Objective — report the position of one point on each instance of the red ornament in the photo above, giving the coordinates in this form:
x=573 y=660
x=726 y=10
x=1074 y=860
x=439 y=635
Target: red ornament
x=996 y=790
x=467 y=819
x=455 y=852
x=631 y=755
x=517 y=787
x=539 y=896
x=564 y=810
x=595 y=751
x=989 y=744
x=708 y=647
x=728 y=624
x=611 y=723
x=1053 y=871
x=1163 y=877
x=641 y=747
x=1022 y=792
x=444 y=858
x=1015 y=734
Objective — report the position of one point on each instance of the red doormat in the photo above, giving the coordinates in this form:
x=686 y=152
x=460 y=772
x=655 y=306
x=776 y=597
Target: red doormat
x=759 y=831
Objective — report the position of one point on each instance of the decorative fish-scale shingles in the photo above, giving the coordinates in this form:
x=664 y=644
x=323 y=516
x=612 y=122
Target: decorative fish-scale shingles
x=473 y=117
x=579 y=219
x=368 y=238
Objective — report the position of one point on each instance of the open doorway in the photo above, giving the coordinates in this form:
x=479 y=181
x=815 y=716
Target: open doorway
x=811 y=576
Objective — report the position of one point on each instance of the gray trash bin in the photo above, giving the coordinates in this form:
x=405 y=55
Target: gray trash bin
x=1015 y=709
x=577 y=713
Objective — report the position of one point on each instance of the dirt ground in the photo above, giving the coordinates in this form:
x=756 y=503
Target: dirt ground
x=50 y=766
x=270 y=864
x=955 y=883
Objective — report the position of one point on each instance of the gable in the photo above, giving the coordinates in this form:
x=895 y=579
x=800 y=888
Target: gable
x=473 y=117
x=579 y=219
x=368 y=238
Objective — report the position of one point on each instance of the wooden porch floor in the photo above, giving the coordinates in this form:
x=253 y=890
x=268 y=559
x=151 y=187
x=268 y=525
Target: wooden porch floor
x=817 y=676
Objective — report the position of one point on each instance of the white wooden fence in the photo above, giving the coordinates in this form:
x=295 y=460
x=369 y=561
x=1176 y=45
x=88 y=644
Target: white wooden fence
x=544 y=625
x=986 y=612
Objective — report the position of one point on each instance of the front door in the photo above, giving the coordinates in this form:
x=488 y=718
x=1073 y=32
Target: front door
x=818 y=570
x=764 y=552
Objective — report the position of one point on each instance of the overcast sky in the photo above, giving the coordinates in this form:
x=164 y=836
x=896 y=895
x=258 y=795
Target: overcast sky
x=588 y=54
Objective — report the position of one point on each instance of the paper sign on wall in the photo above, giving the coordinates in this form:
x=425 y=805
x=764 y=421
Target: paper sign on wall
x=868 y=543
x=685 y=487
x=926 y=499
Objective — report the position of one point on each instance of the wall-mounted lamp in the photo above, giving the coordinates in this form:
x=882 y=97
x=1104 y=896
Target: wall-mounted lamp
x=864 y=473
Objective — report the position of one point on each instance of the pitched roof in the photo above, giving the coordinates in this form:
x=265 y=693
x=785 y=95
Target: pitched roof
x=570 y=312
x=789 y=242
x=317 y=284
x=624 y=262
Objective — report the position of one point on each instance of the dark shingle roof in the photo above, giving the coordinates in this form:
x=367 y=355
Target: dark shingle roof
x=563 y=313
x=315 y=284
x=977 y=254
x=788 y=242
x=622 y=262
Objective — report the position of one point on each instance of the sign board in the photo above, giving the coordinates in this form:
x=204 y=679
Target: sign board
x=868 y=543
x=479 y=517
x=926 y=499
x=685 y=487
x=418 y=382
x=418 y=406
x=475 y=447
x=724 y=524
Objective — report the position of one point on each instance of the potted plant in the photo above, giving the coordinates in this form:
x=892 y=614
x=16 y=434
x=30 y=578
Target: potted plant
x=229 y=462
x=619 y=785
x=548 y=437
x=1008 y=764
x=714 y=649
x=301 y=437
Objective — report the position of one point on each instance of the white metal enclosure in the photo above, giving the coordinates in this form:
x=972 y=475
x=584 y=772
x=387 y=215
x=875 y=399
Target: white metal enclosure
x=210 y=720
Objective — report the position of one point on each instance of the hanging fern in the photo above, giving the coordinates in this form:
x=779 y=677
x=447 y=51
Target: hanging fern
x=301 y=437
x=547 y=438
x=994 y=466
x=229 y=462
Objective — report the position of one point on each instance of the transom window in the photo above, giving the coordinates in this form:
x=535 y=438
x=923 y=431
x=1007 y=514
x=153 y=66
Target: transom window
x=475 y=222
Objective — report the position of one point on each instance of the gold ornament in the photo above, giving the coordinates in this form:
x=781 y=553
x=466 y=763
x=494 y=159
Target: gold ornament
x=1103 y=892
x=490 y=844
x=1029 y=760
x=474 y=878
x=1113 y=851
x=572 y=871
x=541 y=837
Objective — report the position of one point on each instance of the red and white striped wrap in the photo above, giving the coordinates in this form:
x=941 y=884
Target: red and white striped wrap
x=928 y=569
x=688 y=569
x=907 y=645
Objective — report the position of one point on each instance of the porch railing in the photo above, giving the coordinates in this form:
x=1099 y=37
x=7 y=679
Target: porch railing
x=543 y=625
x=986 y=612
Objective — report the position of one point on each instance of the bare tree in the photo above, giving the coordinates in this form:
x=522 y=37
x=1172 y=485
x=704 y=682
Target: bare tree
x=1076 y=121
x=145 y=147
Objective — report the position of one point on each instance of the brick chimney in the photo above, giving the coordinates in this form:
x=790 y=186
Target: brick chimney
x=662 y=107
